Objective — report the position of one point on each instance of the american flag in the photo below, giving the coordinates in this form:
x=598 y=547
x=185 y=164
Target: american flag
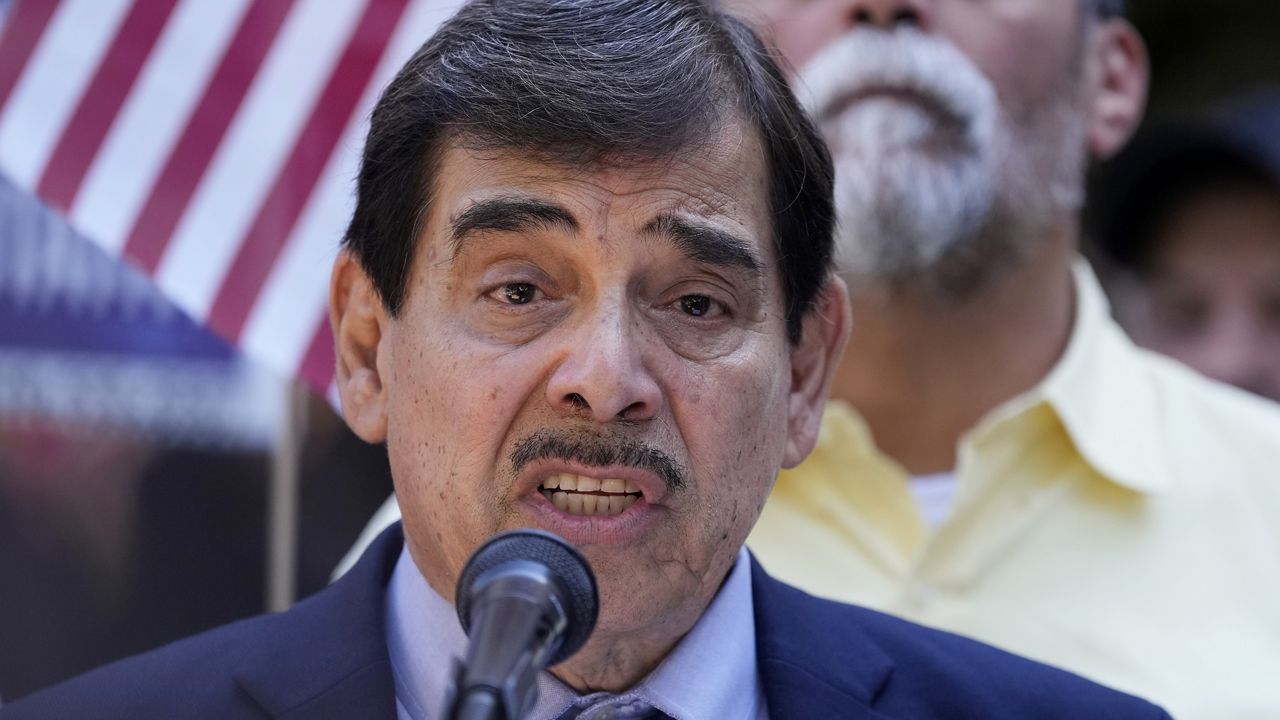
x=212 y=143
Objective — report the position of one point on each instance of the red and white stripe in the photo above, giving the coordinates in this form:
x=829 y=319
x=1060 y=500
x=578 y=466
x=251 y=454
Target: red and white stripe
x=213 y=143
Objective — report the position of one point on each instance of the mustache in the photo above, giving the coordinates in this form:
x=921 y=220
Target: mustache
x=906 y=61
x=596 y=450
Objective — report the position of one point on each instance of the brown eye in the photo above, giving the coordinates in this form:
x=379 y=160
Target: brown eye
x=519 y=293
x=696 y=305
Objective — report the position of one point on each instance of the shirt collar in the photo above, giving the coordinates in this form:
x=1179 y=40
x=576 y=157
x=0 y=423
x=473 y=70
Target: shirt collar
x=711 y=673
x=1104 y=396
x=1099 y=390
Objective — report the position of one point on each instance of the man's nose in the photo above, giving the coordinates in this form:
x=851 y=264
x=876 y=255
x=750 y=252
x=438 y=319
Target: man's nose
x=603 y=373
x=885 y=14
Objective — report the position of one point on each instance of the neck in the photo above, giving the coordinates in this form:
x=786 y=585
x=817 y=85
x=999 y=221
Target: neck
x=620 y=654
x=923 y=369
x=612 y=665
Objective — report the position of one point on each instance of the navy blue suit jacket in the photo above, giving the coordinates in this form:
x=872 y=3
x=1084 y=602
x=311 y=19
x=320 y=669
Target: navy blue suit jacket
x=327 y=658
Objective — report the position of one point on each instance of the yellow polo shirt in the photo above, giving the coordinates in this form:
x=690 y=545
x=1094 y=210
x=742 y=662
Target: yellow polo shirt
x=1121 y=520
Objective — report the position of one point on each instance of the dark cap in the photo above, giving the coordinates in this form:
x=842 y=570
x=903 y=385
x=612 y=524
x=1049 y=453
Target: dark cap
x=1169 y=163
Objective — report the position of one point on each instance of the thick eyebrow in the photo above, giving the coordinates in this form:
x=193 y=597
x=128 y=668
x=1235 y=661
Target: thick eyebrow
x=508 y=214
x=706 y=244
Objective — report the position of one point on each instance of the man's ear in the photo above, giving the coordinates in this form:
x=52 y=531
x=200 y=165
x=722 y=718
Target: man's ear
x=1118 y=75
x=359 y=320
x=813 y=362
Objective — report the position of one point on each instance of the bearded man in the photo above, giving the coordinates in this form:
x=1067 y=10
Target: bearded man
x=1000 y=460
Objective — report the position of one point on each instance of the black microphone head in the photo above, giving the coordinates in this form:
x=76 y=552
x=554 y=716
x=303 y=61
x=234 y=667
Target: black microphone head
x=575 y=584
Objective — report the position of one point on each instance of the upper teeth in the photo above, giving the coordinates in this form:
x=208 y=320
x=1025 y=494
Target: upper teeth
x=581 y=495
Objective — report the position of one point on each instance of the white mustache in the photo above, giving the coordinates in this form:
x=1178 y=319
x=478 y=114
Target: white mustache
x=903 y=63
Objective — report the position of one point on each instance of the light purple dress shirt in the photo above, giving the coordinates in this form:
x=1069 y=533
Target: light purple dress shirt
x=711 y=674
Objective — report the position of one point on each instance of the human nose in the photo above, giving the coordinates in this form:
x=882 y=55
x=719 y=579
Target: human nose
x=885 y=14
x=818 y=23
x=603 y=373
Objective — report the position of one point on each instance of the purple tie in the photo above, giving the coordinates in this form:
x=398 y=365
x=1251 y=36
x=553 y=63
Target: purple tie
x=602 y=706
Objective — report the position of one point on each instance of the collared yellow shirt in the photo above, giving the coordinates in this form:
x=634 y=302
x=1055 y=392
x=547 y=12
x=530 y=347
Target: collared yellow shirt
x=1121 y=520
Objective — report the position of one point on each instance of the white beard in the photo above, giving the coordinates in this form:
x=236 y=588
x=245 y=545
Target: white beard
x=933 y=181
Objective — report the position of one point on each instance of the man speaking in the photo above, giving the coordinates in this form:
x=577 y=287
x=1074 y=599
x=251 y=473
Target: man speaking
x=586 y=289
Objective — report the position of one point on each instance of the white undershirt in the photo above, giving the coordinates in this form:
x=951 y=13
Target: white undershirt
x=935 y=494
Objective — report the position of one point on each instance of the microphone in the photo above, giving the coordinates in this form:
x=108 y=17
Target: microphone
x=527 y=599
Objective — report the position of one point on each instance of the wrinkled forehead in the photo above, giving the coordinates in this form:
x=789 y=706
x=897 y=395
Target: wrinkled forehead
x=720 y=178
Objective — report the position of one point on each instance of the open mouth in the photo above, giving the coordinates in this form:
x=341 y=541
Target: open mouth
x=581 y=495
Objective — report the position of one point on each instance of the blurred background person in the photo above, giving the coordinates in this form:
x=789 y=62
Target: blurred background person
x=1189 y=227
x=998 y=458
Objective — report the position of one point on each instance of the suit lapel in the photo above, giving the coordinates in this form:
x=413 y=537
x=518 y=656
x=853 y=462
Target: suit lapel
x=813 y=658
x=327 y=657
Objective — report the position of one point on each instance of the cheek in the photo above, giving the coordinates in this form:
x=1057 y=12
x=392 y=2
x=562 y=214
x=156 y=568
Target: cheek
x=739 y=423
x=425 y=473
x=1024 y=48
x=800 y=35
x=449 y=409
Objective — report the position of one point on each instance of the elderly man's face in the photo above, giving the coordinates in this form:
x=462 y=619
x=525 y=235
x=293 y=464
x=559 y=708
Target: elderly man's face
x=596 y=351
x=953 y=123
